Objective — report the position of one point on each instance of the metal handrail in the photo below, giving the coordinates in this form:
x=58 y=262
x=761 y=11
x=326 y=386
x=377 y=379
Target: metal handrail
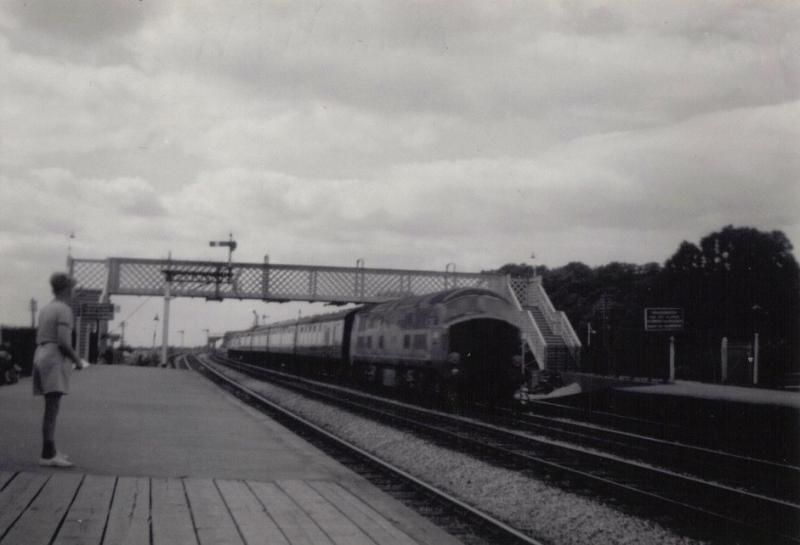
x=570 y=336
x=557 y=320
x=533 y=335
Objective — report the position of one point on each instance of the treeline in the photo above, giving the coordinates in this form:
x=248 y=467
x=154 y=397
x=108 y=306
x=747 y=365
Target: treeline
x=737 y=282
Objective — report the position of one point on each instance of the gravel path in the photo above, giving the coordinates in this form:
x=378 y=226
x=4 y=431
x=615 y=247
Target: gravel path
x=546 y=512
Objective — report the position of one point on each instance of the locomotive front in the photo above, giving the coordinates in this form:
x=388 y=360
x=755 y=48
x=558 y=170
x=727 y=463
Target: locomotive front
x=484 y=340
x=460 y=343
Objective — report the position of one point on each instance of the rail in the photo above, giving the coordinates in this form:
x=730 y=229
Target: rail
x=483 y=524
x=723 y=510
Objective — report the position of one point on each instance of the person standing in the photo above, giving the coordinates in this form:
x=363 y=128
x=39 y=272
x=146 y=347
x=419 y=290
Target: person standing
x=53 y=363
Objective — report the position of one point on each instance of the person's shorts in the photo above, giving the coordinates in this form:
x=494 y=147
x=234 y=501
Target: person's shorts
x=51 y=370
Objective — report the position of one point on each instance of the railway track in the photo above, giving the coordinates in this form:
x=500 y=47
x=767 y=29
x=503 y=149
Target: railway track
x=757 y=476
x=604 y=463
x=470 y=525
x=660 y=426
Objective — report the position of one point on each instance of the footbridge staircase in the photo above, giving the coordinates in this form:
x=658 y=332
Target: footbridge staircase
x=547 y=331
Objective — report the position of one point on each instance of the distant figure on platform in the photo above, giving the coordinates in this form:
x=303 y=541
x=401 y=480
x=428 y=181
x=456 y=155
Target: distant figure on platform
x=9 y=371
x=53 y=363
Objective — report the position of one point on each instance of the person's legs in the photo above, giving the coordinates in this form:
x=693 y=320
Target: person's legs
x=52 y=402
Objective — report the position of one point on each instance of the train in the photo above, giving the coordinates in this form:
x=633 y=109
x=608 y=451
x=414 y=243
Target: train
x=460 y=345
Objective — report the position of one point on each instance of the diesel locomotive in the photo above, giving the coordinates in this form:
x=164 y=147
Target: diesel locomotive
x=456 y=344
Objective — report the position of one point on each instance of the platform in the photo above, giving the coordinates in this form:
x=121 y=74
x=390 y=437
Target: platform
x=745 y=420
x=724 y=392
x=163 y=456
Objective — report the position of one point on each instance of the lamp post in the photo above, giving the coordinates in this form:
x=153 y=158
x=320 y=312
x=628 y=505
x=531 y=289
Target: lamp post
x=265 y=277
x=181 y=331
x=69 y=244
x=449 y=269
x=165 y=322
x=359 y=284
x=757 y=320
x=266 y=338
x=33 y=308
x=207 y=336
x=155 y=326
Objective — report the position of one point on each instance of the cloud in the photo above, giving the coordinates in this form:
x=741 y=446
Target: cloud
x=693 y=176
x=52 y=202
x=83 y=29
x=483 y=62
x=739 y=164
x=57 y=107
x=318 y=90
x=409 y=135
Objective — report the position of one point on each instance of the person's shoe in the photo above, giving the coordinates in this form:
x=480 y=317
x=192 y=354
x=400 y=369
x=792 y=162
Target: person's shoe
x=56 y=461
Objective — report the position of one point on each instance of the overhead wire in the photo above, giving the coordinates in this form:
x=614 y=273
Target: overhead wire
x=130 y=315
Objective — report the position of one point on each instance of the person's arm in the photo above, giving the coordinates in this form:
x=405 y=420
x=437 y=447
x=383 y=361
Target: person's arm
x=65 y=339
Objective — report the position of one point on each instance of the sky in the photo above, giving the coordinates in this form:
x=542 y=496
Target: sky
x=405 y=134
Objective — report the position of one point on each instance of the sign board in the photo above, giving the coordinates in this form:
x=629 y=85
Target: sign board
x=97 y=311
x=663 y=319
x=84 y=295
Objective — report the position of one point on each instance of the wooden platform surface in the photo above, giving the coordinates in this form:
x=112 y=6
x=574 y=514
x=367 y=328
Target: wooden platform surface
x=165 y=457
x=69 y=508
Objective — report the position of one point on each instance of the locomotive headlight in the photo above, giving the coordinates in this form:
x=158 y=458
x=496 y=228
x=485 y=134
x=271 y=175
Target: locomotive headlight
x=454 y=371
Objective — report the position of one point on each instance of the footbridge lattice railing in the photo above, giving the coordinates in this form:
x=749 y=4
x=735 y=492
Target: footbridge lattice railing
x=267 y=281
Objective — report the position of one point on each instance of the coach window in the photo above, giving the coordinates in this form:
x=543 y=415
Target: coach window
x=420 y=341
x=380 y=341
x=406 y=341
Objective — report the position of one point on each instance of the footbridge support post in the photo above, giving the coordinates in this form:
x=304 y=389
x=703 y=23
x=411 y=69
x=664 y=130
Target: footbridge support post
x=165 y=330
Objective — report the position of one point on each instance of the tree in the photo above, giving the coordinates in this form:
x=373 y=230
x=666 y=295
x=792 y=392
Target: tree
x=738 y=282
x=734 y=283
x=521 y=270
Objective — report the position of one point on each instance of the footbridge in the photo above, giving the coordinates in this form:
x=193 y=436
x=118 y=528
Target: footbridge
x=547 y=332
